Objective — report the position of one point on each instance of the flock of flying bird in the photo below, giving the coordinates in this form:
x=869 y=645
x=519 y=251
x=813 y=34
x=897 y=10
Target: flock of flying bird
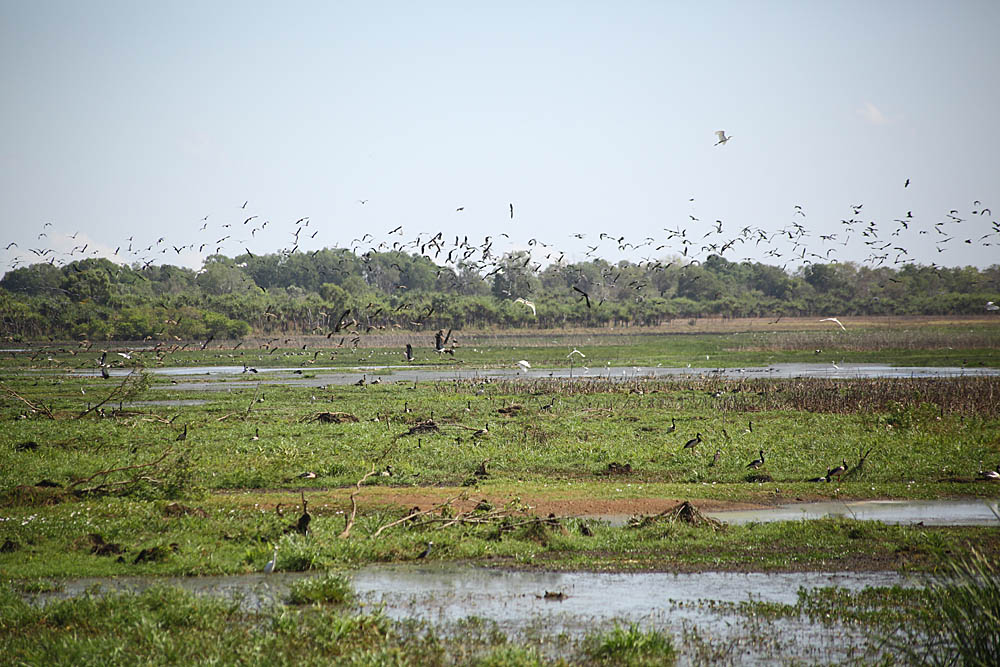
x=684 y=243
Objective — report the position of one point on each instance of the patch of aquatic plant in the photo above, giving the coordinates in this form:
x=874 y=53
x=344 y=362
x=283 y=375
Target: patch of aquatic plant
x=164 y=625
x=961 y=623
x=329 y=589
x=631 y=646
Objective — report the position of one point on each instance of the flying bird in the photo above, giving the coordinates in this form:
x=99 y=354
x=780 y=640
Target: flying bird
x=512 y=211
x=721 y=134
x=834 y=319
x=529 y=304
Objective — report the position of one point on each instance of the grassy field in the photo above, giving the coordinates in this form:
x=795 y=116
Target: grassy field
x=101 y=478
x=917 y=341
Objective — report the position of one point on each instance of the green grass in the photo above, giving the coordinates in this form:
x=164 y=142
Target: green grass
x=903 y=344
x=632 y=647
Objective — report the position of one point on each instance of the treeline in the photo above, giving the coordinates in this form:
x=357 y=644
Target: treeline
x=313 y=293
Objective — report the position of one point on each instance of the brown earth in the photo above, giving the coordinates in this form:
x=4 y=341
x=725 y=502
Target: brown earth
x=374 y=497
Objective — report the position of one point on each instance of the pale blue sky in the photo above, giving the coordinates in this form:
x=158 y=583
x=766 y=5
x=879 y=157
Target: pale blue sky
x=132 y=118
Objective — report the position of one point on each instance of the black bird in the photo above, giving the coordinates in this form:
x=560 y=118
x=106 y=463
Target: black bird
x=756 y=463
x=511 y=211
x=409 y=352
x=585 y=295
x=184 y=434
x=427 y=550
x=693 y=442
x=302 y=525
x=672 y=427
x=715 y=459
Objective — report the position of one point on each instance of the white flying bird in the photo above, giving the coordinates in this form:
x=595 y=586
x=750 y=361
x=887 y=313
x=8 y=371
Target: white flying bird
x=834 y=319
x=721 y=134
x=992 y=306
x=523 y=365
x=529 y=304
x=576 y=351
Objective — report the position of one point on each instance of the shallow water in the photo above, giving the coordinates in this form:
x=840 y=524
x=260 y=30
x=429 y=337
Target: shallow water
x=927 y=512
x=176 y=403
x=963 y=512
x=446 y=594
x=409 y=374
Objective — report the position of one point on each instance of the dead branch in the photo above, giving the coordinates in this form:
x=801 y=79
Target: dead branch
x=413 y=515
x=252 y=402
x=349 y=521
x=40 y=407
x=107 y=472
x=127 y=386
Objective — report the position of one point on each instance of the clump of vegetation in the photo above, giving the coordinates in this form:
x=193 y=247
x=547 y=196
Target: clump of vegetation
x=632 y=647
x=329 y=589
x=961 y=624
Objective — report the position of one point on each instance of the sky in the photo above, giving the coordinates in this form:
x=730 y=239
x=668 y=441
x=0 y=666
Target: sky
x=139 y=119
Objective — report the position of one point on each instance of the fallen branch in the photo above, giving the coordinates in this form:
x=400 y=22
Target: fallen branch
x=35 y=408
x=252 y=402
x=413 y=515
x=105 y=473
x=133 y=383
x=349 y=521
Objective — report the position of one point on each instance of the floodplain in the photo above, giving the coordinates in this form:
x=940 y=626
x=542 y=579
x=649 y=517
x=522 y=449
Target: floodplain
x=157 y=475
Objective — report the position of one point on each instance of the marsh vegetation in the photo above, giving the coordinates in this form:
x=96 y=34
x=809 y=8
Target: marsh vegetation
x=137 y=474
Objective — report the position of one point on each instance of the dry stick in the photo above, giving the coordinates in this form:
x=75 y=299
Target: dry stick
x=120 y=389
x=414 y=515
x=111 y=470
x=349 y=521
x=37 y=408
x=253 y=402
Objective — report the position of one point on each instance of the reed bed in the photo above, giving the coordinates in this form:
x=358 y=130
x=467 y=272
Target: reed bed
x=964 y=396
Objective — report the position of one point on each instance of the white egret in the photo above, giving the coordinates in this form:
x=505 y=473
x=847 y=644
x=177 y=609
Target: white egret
x=834 y=319
x=721 y=134
x=523 y=365
x=269 y=567
x=529 y=304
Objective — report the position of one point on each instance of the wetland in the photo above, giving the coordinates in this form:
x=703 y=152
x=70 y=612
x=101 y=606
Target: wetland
x=186 y=473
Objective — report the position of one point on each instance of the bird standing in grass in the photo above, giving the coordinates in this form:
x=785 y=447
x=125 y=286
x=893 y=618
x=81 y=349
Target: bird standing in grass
x=756 y=463
x=693 y=442
x=836 y=472
x=673 y=426
x=302 y=525
x=426 y=551
x=269 y=567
